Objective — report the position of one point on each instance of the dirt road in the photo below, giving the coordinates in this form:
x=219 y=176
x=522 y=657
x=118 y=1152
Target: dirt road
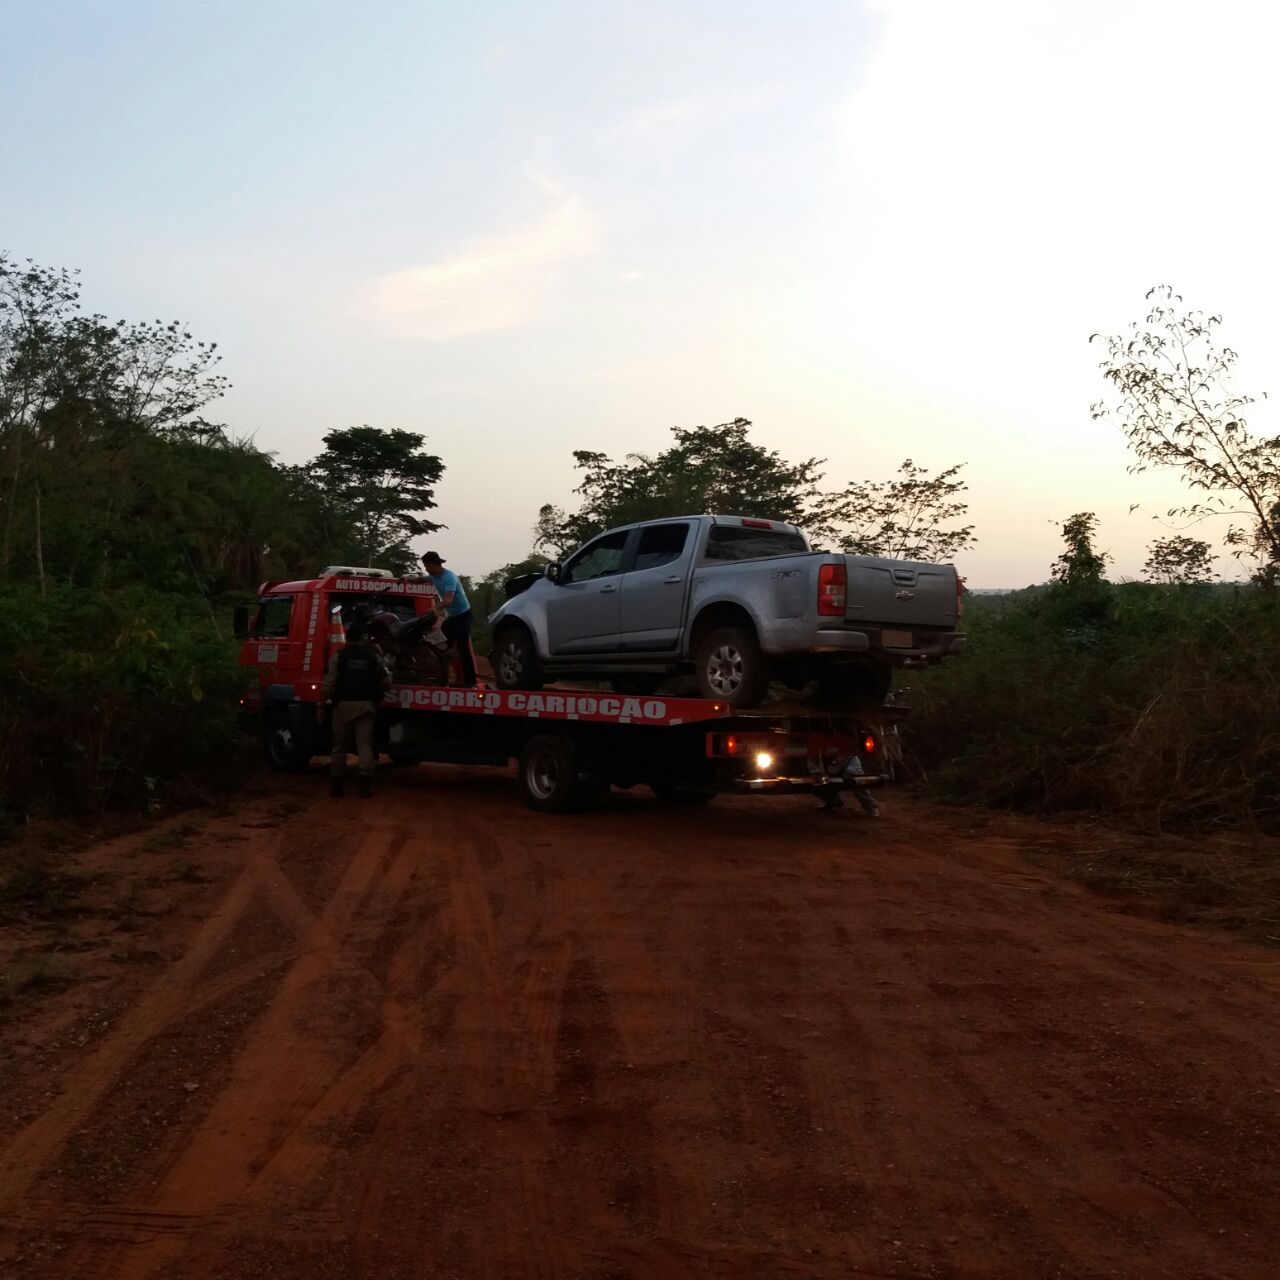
x=436 y=1035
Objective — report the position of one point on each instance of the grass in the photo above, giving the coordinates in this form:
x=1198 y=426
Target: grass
x=187 y=872
x=45 y=973
x=167 y=841
x=35 y=891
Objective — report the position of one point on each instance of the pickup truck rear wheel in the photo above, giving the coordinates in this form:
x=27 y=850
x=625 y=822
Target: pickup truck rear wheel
x=731 y=667
x=514 y=660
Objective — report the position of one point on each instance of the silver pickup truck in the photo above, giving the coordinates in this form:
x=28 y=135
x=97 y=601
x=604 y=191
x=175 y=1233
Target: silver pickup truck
x=737 y=601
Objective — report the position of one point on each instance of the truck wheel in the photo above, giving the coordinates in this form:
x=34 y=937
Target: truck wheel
x=861 y=684
x=285 y=753
x=731 y=667
x=669 y=793
x=514 y=660
x=548 y=773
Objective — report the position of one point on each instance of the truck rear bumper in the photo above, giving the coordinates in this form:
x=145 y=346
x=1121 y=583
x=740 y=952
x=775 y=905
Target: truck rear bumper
x=928 y=647
x=807 y=786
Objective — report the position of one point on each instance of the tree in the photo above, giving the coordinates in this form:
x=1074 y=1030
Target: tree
x=1179 y=561
x=382 y=482
x=82 y=401
x=708 y=469
x=910 y=517
x=1080 y=564
x=719 y=470
x=1175 y=404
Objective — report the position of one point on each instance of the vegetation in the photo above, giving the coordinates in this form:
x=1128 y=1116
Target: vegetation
x=719 y=470
x=379 y=484
x=1157 y=704
x=1179 y=561
x=127 y=523
x=1172 y=397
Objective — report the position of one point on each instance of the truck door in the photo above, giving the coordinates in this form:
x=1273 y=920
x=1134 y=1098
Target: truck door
x=583 y=612
x=274 y=645
x=654 y=589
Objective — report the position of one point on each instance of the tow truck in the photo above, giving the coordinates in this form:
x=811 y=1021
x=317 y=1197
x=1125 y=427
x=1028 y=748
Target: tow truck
x=569 y=744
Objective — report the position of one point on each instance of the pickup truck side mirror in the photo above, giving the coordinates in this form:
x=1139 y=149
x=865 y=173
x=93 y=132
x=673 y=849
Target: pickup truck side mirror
x=240 y=621
x=552 y=572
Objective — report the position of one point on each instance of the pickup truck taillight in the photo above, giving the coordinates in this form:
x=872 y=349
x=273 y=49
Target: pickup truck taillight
x=959 y=597
x=831 y=590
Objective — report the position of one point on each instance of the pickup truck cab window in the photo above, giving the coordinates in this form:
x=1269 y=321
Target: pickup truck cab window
x=273 y=617
x=733 y=542
x=597 y=559
x=660 y=544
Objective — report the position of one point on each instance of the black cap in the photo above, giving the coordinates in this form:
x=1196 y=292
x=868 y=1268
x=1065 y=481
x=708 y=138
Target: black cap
x=434 y=556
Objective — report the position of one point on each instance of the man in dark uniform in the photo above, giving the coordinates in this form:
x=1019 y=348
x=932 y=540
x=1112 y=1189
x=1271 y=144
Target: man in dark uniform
x=354 y=684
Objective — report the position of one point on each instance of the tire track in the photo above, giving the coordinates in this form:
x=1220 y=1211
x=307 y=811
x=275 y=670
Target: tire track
x=270 y=1092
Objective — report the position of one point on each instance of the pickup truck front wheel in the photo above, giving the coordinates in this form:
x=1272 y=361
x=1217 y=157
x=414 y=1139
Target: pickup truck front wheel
x=514 y=660
x=732 y=667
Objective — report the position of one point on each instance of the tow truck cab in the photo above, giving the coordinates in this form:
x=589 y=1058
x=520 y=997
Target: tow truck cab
x=285 y=647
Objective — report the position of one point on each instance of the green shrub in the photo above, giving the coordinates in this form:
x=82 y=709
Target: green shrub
x=107 y=696
x=1159 y=704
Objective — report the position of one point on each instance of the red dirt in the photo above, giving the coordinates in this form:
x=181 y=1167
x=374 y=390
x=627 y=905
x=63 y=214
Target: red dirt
x=436 y=1035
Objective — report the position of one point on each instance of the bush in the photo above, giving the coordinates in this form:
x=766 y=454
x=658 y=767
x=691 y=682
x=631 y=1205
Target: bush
x=107 y=696
x=1160 y=704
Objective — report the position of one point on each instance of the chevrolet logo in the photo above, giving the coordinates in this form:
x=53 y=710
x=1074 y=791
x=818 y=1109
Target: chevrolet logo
x=905 y=595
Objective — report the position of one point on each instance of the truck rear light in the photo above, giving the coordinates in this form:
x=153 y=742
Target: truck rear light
x=730 y=744
x=868 y=745
x=959 y=597
x=831 y=591
x=757 y=524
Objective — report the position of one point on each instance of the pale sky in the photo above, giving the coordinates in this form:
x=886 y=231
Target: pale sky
x=879 y=230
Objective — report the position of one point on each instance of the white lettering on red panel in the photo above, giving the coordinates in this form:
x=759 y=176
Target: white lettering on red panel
x=384 y=586
x=574 y=706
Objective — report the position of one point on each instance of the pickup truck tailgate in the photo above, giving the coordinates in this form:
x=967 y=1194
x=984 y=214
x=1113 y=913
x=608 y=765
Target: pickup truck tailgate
x=900 y=593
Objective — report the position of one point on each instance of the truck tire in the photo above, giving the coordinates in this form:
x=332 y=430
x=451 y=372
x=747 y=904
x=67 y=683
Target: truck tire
x=732 y=667
x=286 y=753
x=515 y=660
x=548 y=773
x=854 y=685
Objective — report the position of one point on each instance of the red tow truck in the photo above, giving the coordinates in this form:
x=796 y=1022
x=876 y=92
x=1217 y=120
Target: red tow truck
x=568 y=743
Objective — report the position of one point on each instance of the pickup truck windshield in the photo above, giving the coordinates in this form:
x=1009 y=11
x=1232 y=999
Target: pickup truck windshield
x=732 y=542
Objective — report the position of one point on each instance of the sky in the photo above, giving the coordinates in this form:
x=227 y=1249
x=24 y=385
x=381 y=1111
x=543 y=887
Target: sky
x=879 y=230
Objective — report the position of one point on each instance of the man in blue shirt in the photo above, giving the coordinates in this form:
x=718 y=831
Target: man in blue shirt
x=457 y=611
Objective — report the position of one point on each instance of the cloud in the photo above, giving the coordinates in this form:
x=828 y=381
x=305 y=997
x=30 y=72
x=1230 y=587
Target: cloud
x=493 y=282
x=665 y=127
